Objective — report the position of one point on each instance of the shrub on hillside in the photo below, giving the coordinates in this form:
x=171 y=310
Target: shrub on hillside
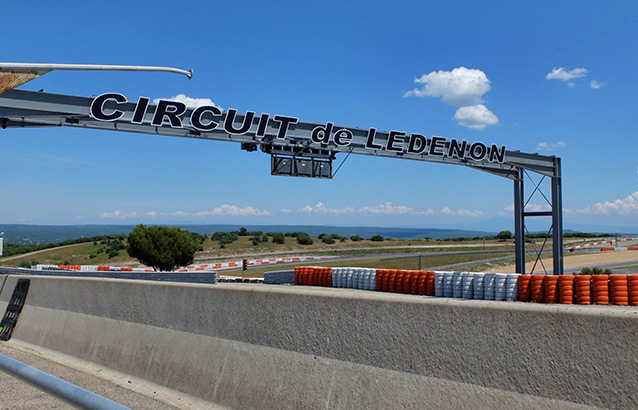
x=161 y=247
x=304 y=239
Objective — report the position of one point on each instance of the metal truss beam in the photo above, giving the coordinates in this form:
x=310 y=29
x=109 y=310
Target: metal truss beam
x=36 y=109
x=31 y=109
x=556 y=227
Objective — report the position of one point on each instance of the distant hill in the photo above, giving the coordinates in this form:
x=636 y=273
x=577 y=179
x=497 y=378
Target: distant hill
x=32 y=234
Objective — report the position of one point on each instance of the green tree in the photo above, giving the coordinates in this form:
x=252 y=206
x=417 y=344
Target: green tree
x=504 y=235
x=27 y=263
x=377 y=238
x=327 y=239
x=278 y=238
x=304 y=239
x=161 y=247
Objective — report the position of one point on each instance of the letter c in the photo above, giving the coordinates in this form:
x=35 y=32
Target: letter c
x=97 y=107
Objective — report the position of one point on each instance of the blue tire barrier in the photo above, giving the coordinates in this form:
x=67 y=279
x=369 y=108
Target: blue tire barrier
x=448 y=292
x=499 y=286
x=373 y=279
x=335 y=277
x=457 y=284
x=479 y=285
x=489 y=286
x=438 y=284
x=468 y=285
x=511 y=287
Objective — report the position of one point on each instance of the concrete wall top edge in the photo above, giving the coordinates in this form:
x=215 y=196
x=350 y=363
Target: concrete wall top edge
x=618 y=312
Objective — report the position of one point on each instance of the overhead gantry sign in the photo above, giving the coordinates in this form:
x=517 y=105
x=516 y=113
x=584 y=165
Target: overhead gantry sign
x=297 y=148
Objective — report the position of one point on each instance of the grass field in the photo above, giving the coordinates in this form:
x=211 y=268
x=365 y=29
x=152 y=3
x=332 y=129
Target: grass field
x=379 y=263
x=243 y=247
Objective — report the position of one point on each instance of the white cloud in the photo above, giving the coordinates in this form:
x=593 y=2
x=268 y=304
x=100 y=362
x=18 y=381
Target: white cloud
x=320 y=208
x=462 y=87
x=467 y=212
x=475 y=117
x=595 y=84
x=625 y=206
x=181 y=214
x=509 y=210
x=543 y=146
x=117 y=214
x=223 y=210
x=565 y=75
x=386 y=209
x=459 y=87
x=459 y=212
x=189 y=101
x=232 y=210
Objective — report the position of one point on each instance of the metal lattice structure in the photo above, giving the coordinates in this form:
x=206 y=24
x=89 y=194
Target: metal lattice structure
x=297 y=148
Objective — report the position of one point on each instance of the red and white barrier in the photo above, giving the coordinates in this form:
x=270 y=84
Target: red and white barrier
x=600 y=243
x=189 y=268
x=257 y=262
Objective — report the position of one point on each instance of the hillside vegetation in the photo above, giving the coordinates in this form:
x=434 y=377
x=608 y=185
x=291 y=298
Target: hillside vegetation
x=233 y=246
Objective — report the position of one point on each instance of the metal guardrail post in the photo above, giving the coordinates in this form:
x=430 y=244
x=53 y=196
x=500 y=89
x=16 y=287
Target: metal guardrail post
x=58 y=388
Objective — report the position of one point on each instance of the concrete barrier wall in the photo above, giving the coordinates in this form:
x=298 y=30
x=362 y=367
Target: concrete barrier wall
x=258 y=346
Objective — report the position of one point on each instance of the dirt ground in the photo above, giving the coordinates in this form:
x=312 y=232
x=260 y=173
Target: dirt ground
x=581 y=260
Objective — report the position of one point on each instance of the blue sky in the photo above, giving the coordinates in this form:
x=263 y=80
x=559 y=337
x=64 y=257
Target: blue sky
x=557 y=78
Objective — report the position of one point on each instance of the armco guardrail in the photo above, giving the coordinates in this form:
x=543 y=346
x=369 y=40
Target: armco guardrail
x=256 y=346
x=69 y=393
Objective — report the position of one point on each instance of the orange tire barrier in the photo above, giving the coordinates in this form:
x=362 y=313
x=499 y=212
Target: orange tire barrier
x=386 y=281
x=550 y=287
x=566 y=289
x=392 y=281
x=632 y=288
x=399 y=282
x=307 y=275
x=582 y=286
x=407 y=282
x=536 y=288
x=600 y=289
x=298 y=273
x=328 y=281
x=380 y=278
x=422 y=283
x=414 y=282
x=303 y=277
x=524 y=288
x=429 y=283
x=632 y=248
x=618 y=290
